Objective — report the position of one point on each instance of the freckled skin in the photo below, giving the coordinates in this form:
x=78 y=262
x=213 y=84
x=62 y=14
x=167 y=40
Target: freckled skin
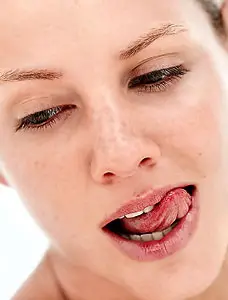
x=75 y=174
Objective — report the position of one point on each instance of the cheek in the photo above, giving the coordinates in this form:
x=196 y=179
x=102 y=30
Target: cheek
x=195 y=137
x=192 y=135
x=48 y=181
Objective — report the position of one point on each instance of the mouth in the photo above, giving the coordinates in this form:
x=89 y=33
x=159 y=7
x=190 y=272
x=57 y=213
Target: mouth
x=156 y=224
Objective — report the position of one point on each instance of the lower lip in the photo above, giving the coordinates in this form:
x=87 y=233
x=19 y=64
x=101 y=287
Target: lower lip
x=173 y=242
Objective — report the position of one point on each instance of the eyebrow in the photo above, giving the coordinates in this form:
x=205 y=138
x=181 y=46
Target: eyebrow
x=31 y=74
x=145 y=40
x=135 y=47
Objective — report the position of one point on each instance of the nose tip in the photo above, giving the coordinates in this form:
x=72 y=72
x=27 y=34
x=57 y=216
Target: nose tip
x=109 y=177
x=107 y=172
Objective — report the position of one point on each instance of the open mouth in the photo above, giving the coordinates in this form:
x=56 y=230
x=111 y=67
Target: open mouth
x=117 y=228
x=154 y=224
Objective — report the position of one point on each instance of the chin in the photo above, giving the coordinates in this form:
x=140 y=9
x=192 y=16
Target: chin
x=172 y=287
x=180 y=277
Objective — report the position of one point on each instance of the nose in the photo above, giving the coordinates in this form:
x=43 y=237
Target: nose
x=119 y=152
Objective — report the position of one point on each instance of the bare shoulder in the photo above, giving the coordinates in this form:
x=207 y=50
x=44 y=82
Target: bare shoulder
x=40 y=285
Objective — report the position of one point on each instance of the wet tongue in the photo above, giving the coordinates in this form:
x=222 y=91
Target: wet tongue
x=174 y=205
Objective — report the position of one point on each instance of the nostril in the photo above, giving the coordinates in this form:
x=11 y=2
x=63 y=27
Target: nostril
x=108 y=177
x=146 y=162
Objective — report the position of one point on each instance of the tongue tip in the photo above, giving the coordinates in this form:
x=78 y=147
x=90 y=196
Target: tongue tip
x=164 y=215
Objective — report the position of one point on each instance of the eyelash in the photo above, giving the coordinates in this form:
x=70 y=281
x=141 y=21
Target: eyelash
x=157 y=81
x=50 y=116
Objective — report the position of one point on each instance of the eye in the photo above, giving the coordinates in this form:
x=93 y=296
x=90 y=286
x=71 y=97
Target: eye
x=159 y=80
x=45 y=118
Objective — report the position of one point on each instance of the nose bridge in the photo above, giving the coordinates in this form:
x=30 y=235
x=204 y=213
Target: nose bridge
x=112 y=125
x=118 y=149
x=114 y=133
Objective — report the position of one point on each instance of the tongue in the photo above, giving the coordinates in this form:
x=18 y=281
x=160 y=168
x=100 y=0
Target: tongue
x=175 y=205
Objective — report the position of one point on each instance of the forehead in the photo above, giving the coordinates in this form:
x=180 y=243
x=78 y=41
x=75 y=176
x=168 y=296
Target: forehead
x=33 y=28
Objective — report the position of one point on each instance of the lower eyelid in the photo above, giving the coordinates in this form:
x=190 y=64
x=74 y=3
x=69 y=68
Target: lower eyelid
x=153 y=88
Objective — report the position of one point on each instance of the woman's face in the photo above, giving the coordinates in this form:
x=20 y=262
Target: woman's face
x=115 y=133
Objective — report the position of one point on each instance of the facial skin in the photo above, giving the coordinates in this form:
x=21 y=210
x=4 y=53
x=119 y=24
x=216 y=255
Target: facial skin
x=115 y=141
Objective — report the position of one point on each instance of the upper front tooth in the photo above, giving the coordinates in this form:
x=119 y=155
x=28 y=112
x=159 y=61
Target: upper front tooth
x=148 y=209
x=133 y=215
x=157 y=235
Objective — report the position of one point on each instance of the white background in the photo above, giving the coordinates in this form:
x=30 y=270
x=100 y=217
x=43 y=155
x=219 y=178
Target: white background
x=22 y=244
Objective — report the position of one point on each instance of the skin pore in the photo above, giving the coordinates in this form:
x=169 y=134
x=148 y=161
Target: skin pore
x=113 y=138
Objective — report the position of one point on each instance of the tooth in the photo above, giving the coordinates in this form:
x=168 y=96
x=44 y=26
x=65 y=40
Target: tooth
x=135 y=237
x=133 y=215
x=174 y=224
x=147 y=237
x=125 y=236
x=166 y=231
x=148 y=209
x=157 y=235
x=121 y=217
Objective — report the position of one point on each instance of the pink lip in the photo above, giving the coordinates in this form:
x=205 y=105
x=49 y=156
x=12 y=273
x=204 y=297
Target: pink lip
x=173 y=242
x=141 y=201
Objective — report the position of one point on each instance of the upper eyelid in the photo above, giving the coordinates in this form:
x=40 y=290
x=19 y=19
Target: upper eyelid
x=170 y=69
x=24 y=105
x=159 y=59
x=32 y=91
x=182 y=71
x=149 y=66
x=64 y=109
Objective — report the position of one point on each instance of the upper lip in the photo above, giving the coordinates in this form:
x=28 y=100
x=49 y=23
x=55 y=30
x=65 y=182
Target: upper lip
x=141 y=201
